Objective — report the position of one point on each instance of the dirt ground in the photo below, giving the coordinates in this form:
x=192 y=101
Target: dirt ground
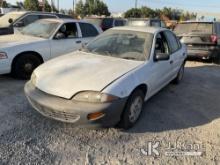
x=187 y=115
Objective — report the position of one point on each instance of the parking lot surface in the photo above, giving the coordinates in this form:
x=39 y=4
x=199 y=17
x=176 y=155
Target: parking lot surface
x=188 y=113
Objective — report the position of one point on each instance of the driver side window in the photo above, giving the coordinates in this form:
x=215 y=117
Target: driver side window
x=161 y=45
x=68 y=31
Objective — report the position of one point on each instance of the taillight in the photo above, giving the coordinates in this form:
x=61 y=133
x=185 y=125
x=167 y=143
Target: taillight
x=214 y=38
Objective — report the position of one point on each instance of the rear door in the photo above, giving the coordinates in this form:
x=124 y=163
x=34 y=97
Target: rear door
x=177 y=55
x=88 y=32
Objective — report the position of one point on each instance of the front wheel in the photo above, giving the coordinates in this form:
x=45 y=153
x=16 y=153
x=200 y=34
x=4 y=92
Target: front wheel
x=132 y=109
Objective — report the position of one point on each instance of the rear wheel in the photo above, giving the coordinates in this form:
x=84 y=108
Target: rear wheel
x=24 y=66
x=132 y=109
x=180 y=75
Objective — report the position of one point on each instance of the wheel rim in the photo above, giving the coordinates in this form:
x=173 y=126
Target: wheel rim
x=135 y=109
x=28 y=67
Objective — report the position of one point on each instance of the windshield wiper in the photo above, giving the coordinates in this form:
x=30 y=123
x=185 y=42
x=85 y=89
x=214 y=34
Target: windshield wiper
x=129 y=58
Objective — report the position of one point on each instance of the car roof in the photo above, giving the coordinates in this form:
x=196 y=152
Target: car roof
x=39 y=12
x=196 y=22
x=63 y=20
x=143 y=19
x=17 y=12
x=152 y=30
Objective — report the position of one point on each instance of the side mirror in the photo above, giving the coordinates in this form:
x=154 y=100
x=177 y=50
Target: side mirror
x=10 y=20
x=59 y=36
x=19 y=24
x=162 y=57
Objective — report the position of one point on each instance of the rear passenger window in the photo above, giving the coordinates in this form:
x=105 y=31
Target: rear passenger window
x=173 y=42
x=30 y=19
x=119 y=23
x=88 y=30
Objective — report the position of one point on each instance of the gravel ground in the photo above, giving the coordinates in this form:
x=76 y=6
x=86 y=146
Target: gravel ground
x=187 y=115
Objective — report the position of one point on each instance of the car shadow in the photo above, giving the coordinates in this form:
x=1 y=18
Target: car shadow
x=194 y=102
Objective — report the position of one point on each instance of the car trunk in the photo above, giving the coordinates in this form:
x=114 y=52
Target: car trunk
x=196 y=35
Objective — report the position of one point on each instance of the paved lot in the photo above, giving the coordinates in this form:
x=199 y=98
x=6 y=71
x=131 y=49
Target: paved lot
x=185 y=114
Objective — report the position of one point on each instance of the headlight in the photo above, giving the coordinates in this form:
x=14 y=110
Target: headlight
x=94 y=97
x=33 y=79
x=3 y=55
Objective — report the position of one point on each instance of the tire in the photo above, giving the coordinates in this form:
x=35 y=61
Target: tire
x=24 y=65
x=180 y=75
x=130 y=115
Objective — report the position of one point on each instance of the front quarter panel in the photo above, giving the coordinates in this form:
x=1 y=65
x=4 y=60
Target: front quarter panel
x=125 y=85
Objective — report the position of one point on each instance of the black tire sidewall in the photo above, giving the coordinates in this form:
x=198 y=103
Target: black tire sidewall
x=125 y=122
x=18 y=66
x=177 y=80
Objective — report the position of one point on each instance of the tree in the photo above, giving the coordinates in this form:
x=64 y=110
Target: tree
x=80 y=8
x=92 y=7
x=133 y=13
x=47 y=6
x=165 y=13
x=32 y=5
x=147 y=12
x=3 y=4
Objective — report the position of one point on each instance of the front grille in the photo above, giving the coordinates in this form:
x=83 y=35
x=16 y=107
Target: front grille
x=60 y=115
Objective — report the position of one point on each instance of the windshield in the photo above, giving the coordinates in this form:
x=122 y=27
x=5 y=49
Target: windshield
x=129 y=45
x=41 y=28
x=193 y=27
x=4 y=19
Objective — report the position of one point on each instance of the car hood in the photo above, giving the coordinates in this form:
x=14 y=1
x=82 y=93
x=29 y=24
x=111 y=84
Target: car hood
x=17 y=39
x=69 y=74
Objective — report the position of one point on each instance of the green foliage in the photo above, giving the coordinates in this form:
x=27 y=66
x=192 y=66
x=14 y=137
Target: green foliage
x=3 y=4
x=32 y=5
x=172 y=14
x=133 y=13
x=92 y=7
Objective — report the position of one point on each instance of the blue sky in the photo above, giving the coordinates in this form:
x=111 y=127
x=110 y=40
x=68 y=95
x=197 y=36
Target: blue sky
x=122 y=5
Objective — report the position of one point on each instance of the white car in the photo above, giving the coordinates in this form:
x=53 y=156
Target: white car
x=107 y=82
x=40 y=41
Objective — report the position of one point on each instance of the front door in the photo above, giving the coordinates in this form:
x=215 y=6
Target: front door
x=160 y=71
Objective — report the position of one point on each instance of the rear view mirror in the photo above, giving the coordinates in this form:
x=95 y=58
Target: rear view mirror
x=162 y=57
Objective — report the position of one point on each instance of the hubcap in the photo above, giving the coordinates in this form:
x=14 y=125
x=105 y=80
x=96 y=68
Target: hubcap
x=135 y=109
x=28 y=67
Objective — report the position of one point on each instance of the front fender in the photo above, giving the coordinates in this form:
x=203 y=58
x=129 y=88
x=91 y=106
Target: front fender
x=123 y=86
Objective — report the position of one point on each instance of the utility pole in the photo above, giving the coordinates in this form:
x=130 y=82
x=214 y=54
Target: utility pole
x=58 y=6
x=52 y=6
x=136 y=2
x=73 y=6
x=43 y=8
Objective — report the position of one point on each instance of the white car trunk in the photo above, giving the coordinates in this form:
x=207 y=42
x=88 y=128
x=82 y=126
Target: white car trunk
x=72 y=73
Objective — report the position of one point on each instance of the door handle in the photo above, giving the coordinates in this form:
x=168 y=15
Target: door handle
x=78 y=42
x=171 y=62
